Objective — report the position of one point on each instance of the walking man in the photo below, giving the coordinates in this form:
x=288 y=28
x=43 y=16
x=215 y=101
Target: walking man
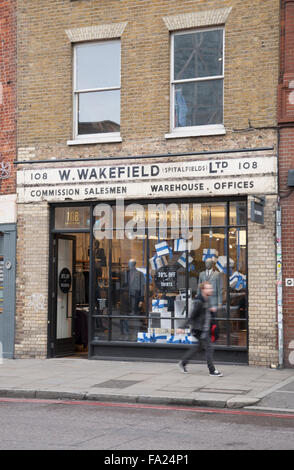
x=199 y=322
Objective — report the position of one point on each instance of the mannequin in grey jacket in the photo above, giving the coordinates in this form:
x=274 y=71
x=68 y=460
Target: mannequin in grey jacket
x=131 y=294
x=199 y=322
x=134 y=283
x=214 y=277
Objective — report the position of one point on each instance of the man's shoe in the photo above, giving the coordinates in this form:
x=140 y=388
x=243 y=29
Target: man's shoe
x=182 y=368
x=215 y=373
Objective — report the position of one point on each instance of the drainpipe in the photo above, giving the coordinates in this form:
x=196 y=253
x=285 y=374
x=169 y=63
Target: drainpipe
x=279 y=272
x=279 y=285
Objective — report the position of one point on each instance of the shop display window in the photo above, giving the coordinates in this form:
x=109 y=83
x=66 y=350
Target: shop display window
x=152 y=274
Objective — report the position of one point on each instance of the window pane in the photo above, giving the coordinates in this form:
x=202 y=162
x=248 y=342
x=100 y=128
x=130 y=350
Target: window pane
x=212 y=251
x=213 y=214
x=100 y=290
x=170 y=275
x=237 y=246
x=198 y=54
x=238 y=283
x=99 y=112
x=129 y=292
x=205 y=260
x=238 y=333
x=72 y=217
x=198 y=104
x=238 y=215
x=98 y=65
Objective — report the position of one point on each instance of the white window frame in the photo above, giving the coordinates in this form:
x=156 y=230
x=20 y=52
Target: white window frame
x=190 y=131
x=90 y=138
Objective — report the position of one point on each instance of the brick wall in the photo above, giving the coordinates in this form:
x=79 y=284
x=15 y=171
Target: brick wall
x=32 y=281
x=7 y=95
x=262 y=319
x=45 y=71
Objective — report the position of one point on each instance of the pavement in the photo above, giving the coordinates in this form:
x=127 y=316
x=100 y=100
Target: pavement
x=162 y=383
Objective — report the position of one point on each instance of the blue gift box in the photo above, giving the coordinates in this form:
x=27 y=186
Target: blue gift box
x=162 y=248
x=159 y=304
x=178 y=339
x=209 y=253
x=221 y=264
x=183 y=260
x=151 y=337
x=182 y=245
x=160 y=338
x=143 y=337
x=238 y=281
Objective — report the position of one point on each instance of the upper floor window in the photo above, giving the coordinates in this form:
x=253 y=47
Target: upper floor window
x=97 y=90
x=197 y=75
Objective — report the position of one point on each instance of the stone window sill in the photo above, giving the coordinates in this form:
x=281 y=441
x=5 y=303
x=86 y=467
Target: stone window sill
x=197 y=132
x=95 y=140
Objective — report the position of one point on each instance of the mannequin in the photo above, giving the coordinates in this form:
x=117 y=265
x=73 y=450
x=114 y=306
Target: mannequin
x=135 y=282
x=132 y=294
x=214 y=277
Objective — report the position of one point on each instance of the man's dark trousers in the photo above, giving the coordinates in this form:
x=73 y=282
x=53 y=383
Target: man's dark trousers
x=205 y=344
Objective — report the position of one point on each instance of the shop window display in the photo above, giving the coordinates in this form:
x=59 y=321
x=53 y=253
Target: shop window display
x=147 y=282
x=129 y=294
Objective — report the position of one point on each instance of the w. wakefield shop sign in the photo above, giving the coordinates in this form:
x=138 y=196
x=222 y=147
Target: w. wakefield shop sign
x=213 y=177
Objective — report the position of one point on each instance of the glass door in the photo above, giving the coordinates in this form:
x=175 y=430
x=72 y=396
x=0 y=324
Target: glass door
x=64 y=248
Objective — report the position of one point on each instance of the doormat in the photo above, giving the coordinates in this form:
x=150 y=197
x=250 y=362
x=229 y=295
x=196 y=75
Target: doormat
x=116 y=384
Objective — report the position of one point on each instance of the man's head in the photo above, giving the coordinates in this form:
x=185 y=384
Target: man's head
x=132 y=263
x=206 y=289
x=208 y=263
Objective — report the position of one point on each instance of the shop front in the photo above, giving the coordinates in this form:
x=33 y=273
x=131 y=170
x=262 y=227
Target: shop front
x=132 y=283
x=130 y=244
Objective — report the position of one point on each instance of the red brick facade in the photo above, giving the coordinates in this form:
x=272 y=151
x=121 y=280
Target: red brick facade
x=7 y=95
x=286 y=162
